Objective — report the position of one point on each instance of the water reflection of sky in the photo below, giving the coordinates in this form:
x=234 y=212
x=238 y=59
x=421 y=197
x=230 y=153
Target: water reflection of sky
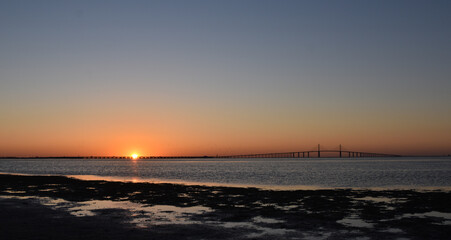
x=412 y=173
x=144 y=216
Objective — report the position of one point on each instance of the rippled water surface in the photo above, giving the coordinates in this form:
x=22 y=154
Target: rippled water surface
x=326 y=172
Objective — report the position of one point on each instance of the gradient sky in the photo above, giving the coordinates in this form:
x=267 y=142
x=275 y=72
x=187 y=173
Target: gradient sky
x=224 y=77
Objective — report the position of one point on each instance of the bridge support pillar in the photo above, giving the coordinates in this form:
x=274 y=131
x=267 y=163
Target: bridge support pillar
x=319 y=152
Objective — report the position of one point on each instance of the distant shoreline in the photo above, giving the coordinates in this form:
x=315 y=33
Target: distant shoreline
x=197 y=157
x=107 y=157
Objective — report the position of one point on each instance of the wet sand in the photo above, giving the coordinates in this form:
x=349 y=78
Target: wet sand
x=56 y=207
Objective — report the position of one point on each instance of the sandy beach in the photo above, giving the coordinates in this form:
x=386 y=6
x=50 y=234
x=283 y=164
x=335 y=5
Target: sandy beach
x=57 y=207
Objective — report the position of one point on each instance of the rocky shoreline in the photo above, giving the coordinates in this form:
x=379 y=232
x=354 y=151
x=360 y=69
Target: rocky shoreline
x=45 y=207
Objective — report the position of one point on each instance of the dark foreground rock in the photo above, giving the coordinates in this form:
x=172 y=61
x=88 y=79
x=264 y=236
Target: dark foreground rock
x=228 y=213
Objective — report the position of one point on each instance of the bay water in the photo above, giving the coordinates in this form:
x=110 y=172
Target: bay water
x=277 y=173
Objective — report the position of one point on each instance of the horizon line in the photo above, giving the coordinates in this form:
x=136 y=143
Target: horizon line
x=202 y=156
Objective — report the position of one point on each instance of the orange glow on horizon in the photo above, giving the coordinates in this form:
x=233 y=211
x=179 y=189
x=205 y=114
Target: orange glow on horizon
x=135 y=156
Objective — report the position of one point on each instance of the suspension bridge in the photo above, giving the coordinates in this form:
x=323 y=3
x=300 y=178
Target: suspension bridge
x=316 y=153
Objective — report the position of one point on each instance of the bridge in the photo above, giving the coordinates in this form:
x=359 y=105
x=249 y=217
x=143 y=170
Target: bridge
x=317 y=153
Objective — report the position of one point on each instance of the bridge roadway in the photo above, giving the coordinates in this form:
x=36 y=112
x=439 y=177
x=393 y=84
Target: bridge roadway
x=316 y=154
x=301 y=154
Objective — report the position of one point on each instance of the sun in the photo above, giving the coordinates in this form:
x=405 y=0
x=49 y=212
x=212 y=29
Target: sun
x=135 y=156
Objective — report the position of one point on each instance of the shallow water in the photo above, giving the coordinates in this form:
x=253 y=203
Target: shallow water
x=317 y=173
x=144 y=216
x=241 y=212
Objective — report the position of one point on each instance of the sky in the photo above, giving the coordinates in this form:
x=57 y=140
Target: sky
x=170 y=78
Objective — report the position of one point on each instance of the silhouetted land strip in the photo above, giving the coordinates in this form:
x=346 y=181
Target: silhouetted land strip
x=385 y=214
x=317 y=153
x=108 y=157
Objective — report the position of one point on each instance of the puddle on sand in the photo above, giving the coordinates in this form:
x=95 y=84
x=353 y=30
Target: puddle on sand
x=393 y=230
x=54 y=202
x=166 y=214
x=46 y=201
x=362 y=238
x=269 y=231
x=14 y=192
x=353 y=221
x=286 y=208
x=429 y=214
x=434 y=214
x=260 y=231
x=15 y=197
x=142 y=215
x=46 y=190
x=376 y=199
x=320 y=235
x=259 y=219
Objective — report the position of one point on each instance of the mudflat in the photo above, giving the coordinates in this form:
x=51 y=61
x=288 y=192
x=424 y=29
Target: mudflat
x=58 y=207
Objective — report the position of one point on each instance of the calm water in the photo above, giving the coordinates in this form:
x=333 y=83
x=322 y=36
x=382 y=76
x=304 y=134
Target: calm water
x=326 y=172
